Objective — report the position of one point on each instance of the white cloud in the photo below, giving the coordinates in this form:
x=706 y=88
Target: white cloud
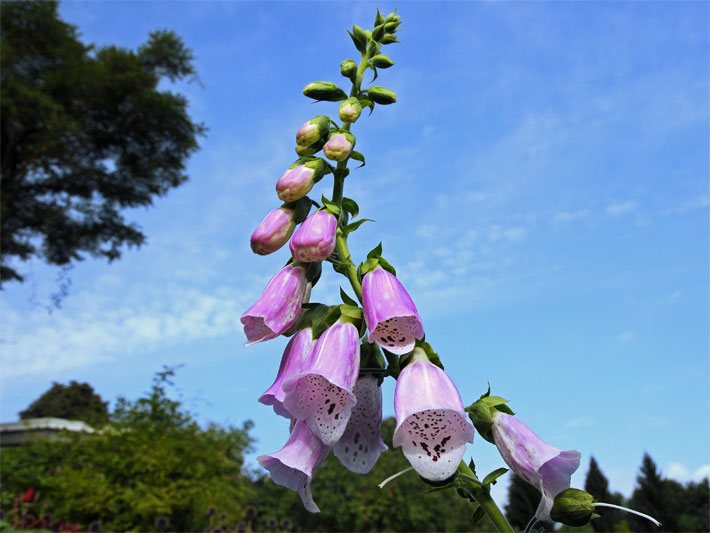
x=699 y=202
x=680 y=472
x=95 y=328
x=625 y=336
x=621 y=208
x=570 y=216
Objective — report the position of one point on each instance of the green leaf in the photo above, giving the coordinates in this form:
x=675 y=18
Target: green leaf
x=364 y=102
x=357 y=156
x=375 y=252
x=350 y=205
x=491 y=478
x=351 y=311
x=346 y=299
x=330 y=206
x=355 y=225
x=494 y=401
x=328 y=319
x=472 y=465
x=439 y=489
x=374 y=71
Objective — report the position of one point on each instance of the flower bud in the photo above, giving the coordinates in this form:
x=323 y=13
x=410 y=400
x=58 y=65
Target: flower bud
x=274 y=231
x=381 y=95
x=339 y=146
x=389 y=38
x=313 y=130
x=315 y=238
x=299 y=179
x=348 y=68
x=573 y=507
x=349 y=110
x=382 y=61
x=324 y=90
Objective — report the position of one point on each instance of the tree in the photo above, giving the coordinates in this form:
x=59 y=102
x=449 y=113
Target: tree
x=597 y=485
x=152 y=463
x=523 y=500
x=76 y=401
x=655 y=496
x=84 y=133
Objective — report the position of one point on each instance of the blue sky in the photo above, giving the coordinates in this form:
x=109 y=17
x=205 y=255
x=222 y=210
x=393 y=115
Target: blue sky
x=541 y=186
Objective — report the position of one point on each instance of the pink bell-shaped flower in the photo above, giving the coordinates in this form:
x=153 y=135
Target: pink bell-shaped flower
x=361 y=444
x=391 y=316
x=545 y=467
x=294 y=464
x=278 y=307
x=432 y=426
x=321 y=393
x=295 y=356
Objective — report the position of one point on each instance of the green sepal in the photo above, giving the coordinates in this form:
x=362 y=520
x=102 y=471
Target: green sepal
x=392 y=16
x=328 y=318
x=367 y=266
x=387 y=266
x=346 y=299
x=359 y=38
x=430 y=353
x=300 y=207
x=378 y=32
x=391 y=27
x=382 y=61
x=357 y=156
x=331 y=207
x=364 y=102
x=472 y=466
x=389 y=38
x=491 y=478
x=573 y=507
x=374 y=72
x=379 y=19
x=375 y=252
x=481 y=412
x=350 y=206
x=355 y=225
x=439 y=489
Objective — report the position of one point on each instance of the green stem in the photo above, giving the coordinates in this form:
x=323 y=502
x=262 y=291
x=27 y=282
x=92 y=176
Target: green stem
x=482 y=494
x=341 y=242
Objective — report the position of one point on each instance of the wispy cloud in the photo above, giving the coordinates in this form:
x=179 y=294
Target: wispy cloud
x=95 y=328
x=570 y=216
x=699 y=202
x=625 y=336
x=621 y=208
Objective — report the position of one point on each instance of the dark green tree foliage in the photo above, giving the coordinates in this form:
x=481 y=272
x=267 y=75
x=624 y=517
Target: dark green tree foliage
x=352 y=502
x=84 y=133
x=695 y=514
x=654 y=496
x=597 y=485
x=152 y=462
x=523 y=500
x=76 y=401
